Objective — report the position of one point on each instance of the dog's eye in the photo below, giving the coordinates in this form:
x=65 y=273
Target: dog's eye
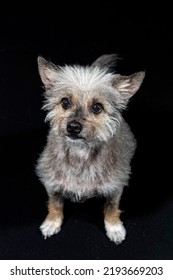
x=97 y=108
x=65 y=103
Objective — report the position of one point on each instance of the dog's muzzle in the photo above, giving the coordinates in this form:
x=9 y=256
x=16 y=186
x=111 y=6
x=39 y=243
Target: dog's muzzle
x=74 y=128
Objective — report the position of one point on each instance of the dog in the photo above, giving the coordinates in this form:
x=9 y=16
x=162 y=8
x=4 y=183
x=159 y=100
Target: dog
x=89 y=145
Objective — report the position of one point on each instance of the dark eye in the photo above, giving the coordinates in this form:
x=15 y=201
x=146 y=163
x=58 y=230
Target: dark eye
x=65 y=103
x=97 y=108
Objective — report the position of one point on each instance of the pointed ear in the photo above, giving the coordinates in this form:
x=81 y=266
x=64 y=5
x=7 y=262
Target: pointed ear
x=48 y=72
x=127 y=86
x=105 y=61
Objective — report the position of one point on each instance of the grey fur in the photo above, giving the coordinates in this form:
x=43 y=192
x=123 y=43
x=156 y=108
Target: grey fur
x=96 y=162
x=106 y=60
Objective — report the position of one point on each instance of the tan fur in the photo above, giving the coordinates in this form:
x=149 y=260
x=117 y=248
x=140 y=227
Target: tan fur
x=55 y=210
x=112 y=214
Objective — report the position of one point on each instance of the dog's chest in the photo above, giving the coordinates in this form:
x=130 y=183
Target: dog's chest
x=78 y=173
x=82 y=176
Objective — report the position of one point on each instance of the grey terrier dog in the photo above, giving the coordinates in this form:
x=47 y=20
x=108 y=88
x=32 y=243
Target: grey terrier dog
x=89 y=145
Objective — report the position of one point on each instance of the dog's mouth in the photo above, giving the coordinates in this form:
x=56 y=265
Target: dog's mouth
x=75 y=137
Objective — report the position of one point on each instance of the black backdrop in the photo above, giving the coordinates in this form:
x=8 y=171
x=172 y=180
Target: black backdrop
x=143 y=43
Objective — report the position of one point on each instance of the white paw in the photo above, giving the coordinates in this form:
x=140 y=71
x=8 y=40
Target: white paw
x=49 y=227
x=115 y=232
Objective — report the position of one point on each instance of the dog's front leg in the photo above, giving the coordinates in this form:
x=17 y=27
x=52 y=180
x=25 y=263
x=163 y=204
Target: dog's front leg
x=113 y=225
x=52 y=223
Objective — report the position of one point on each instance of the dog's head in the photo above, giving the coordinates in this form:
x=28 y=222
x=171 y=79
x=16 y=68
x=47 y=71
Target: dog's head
x=84 y=103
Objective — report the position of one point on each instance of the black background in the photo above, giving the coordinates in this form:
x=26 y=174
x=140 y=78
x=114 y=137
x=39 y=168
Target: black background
x=144 y=43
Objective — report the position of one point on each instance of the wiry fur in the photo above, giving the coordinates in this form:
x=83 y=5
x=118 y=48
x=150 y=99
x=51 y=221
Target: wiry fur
x=96 y=162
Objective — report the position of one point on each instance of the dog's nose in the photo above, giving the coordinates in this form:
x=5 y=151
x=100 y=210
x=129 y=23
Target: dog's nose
x=74 y=127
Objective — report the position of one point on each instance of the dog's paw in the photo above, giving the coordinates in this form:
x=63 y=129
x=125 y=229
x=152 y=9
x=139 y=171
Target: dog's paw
x=115 y=232
x=50 y=227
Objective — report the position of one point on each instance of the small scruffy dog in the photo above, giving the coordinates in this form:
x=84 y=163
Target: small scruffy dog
x=89 y=146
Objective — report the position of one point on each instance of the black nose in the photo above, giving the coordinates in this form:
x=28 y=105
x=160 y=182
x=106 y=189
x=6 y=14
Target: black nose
x=74 y=127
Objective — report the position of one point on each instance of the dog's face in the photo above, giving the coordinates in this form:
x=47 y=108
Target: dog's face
x=84 y=103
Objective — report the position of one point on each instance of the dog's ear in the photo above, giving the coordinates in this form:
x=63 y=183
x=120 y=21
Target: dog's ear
x=105 y=61
x=48 y=72
x=127 y=86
